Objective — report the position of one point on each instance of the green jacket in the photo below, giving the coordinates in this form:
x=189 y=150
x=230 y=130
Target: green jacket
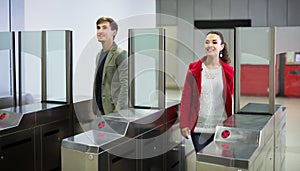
x=114 y=81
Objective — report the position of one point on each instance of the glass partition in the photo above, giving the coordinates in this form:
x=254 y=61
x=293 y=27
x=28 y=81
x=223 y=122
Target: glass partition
x=30 y=55
x=7 y=70
x=56 y=65
x=146 y=68
x=46 y=68
x=255 y=79
x=42 y=70
x=288 y=50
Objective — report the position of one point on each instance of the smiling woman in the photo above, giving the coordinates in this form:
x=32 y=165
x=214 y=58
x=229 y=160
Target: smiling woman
x=201 y=106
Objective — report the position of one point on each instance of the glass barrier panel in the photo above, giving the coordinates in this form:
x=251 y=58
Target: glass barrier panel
x=56 y=65
x=253 y=54
x=147 y=68
x=30 y=61
x=6 y=70
x=288 y=50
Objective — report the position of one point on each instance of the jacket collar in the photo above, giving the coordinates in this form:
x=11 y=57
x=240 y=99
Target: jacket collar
x=196 y=67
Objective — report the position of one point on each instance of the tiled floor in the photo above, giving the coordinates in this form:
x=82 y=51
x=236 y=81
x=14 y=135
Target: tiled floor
x=292 y=156
x=292 y=159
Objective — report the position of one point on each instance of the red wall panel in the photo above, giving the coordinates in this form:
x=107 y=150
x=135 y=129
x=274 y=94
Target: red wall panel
x=255 y=80
x=292 y=80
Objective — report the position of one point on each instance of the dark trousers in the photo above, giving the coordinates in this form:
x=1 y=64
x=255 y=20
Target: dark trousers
x=200 y=140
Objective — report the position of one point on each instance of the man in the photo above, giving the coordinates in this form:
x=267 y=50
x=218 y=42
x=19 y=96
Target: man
x=111 y=76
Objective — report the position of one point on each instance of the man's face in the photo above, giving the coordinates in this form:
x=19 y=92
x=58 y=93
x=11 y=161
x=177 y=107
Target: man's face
x=104 y=32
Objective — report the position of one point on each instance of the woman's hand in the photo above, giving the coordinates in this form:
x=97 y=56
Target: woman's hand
x=185 y=132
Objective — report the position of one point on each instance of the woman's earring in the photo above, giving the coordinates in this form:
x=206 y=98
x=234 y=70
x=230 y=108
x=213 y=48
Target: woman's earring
x=221 y=55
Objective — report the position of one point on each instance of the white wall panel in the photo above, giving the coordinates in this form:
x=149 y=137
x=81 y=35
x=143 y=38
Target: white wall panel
x=80 y=17
x=17 y=15
x=4 y=15
x=287 y=39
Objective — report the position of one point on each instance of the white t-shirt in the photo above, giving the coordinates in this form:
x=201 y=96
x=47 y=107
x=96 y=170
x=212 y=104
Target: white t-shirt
x=212 y=106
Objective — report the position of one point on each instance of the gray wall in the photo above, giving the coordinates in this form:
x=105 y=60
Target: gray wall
x=261 y=13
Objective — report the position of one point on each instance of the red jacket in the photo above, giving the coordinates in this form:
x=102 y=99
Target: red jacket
x=190 y=102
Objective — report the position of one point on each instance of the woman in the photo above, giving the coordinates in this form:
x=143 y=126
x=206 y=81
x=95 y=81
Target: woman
x=207 y=93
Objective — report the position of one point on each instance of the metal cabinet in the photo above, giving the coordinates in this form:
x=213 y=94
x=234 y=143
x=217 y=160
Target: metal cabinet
x=34 y=144
x=51 y=136
x=17 y=151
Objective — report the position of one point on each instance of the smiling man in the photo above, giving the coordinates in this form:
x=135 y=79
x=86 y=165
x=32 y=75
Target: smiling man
x=111 y=75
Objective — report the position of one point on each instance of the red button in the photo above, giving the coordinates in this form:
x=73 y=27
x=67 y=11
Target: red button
x=101 y=124
x=2 y=116
x=225 y=134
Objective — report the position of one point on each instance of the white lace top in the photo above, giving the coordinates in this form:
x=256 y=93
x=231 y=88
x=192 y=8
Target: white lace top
x=212 y=106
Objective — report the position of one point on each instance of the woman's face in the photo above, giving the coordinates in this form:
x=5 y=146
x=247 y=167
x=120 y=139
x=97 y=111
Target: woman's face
x=213 y=45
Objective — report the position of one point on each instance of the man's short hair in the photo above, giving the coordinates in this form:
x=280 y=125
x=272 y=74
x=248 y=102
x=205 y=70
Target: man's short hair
x=113 y=24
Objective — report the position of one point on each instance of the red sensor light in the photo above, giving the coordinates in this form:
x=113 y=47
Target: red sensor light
x=225 y=134
x=2 y=116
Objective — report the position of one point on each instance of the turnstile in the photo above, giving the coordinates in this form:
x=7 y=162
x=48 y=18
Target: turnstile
x=132 y=139
x=31 y=134
x=247 y=142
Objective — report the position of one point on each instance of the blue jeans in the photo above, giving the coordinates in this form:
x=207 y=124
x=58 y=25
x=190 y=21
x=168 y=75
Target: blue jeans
x=200 y=140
